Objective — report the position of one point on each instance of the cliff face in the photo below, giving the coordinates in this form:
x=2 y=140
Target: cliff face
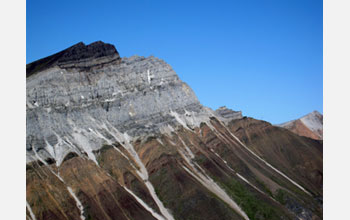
x=125 y=138
x=71 y=106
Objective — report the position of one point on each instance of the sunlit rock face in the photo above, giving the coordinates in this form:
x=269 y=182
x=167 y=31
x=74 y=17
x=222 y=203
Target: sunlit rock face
x=67 y=107
x=125 y=138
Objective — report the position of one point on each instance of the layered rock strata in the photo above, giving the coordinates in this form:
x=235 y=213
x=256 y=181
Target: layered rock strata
x=138 y=95
x=125 y=138
x=228 y=114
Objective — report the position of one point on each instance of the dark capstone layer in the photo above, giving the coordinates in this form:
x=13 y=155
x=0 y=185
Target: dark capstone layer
x=75 y=54
x=82 y=51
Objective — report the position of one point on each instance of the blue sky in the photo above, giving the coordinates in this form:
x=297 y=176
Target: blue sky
x=262 y=57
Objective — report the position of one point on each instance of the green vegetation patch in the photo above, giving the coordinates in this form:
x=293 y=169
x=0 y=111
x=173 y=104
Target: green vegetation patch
x=250 y=203
x=263 y=185
x=281 y=196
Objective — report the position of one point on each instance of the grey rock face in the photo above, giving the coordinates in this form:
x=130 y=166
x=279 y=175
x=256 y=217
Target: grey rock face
x=314 y=121
x=74 y=109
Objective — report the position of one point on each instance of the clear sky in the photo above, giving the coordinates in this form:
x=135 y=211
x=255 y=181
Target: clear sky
x=264 y=58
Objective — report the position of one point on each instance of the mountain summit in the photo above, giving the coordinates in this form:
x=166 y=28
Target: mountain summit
x=78 y=56
x=125 y=138
x=310 y=125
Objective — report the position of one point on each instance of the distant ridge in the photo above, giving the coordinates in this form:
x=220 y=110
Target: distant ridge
x=310 y=125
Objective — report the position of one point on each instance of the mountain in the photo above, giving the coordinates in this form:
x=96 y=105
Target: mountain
x=228 y=114
x=310 y=125
x=125 y=138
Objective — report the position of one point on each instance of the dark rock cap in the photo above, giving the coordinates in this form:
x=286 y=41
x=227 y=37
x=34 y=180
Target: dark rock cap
x=75 y=53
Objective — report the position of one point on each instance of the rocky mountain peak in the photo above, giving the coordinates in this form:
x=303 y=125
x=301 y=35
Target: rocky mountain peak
x=77 y=56
x=125 y=138
x=314 y=121
x=310 y=125
x=88 y=90
x=81 y=51
x=314 y=114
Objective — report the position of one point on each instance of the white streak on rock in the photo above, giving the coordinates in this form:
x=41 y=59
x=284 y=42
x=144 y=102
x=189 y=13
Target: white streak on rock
x=79 y=205
x=214 y=188
x=124 y=140
x=30 y=211
x=60 y=151
x=46 y=164
x=195 y=119
x=84 y=144
x=245 y=180
x=188 y=150
x=149 y=209
x=178 y=119
x=39 y=158
x=222 y=160
x=50 y=149
x=109 y=100
x=207 y=182
x=160 y=141
x=125 y=157
x=216 y=132
x=266 y=163
x=98 y=134
x=166 y=130
x=148 y=77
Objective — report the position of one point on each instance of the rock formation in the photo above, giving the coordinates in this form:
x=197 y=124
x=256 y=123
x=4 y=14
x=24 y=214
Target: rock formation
x=228 y=114
x=310 y=125
x=125 y=138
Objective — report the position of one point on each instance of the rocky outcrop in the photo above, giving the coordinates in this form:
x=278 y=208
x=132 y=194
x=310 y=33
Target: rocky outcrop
x=310 y=125
x=228 y=114
x=125 y=138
